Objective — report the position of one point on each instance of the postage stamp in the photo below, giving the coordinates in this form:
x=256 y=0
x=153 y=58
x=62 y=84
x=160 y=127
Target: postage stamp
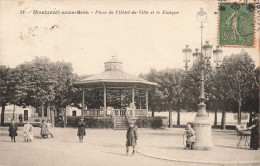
x=236 y=24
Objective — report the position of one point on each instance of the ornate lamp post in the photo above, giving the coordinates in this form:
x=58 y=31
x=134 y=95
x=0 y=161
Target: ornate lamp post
x=217 y=56
x=202 y=123
x=187 y=54
x=217 y=59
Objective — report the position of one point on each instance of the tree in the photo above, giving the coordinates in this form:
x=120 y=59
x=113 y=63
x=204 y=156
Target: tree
x=156 y=98
x=169 y=94
x=44 y=83
x=63 y=88
x=237 y=81
x=35 y=82
x=7 y=89
x=251 y=102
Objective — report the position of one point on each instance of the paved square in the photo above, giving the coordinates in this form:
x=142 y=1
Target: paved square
x=107 y=147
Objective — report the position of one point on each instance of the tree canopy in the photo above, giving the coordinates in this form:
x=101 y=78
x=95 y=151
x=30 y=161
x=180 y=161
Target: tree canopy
x=234 y=86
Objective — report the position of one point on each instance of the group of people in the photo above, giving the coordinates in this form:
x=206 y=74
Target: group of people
x=28 y=130
x=46 y=129
x=131 y=134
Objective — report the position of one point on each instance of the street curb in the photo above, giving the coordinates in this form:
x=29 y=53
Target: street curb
x=197 y=161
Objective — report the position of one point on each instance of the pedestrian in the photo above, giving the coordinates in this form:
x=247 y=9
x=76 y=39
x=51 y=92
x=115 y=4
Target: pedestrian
x=254 y=140
x=190 y=136
x=12 y=130
x=28 y=132
x=131 y=137
x=49 y=128
x=44 y=133
x=81 y=129
x=64 y=121
x=20 y=118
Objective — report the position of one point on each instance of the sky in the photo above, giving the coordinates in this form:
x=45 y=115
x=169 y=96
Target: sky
x=140 y=41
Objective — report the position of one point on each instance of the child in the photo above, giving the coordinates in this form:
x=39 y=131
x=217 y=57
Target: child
x=49 y=128
x=12 y=130
x=190 y=136
x=131 y=136
x=44 y=133
x=28 y=132
x=81 y=129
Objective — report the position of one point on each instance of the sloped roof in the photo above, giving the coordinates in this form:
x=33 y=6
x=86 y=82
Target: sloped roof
x=114 y=74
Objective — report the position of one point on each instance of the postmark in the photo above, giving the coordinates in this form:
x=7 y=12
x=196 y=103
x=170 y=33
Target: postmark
x=236 y=25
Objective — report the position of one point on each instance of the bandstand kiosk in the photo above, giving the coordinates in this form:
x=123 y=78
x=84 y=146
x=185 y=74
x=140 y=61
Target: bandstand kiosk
x=115 y=78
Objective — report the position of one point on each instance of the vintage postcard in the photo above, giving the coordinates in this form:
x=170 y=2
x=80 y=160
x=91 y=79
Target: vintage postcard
x=134 y=82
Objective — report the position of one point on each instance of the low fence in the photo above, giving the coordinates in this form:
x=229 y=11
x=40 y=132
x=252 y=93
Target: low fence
x=91 y=122
x=185 y=117
x=114 y=112
x=107 y=122
x=94 y=112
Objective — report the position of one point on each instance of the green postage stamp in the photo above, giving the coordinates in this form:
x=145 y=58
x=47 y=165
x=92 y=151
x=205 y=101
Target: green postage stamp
x=236 y=24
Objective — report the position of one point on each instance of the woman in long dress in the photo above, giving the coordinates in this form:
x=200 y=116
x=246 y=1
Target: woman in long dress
x=254 y=140
x=81 y=130
x=44 y=132
x=49 y=128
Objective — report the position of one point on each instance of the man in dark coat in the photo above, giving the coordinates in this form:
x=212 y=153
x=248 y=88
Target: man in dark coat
x=131 y=137
x=254 y=140
x=81 y=129
x=12 y=130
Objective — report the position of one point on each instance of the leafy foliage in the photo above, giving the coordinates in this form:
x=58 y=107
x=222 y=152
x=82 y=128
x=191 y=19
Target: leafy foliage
x=7 y=89
x=237 y=83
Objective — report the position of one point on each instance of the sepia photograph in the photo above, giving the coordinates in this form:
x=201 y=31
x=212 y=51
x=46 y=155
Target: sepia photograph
x=134 y=82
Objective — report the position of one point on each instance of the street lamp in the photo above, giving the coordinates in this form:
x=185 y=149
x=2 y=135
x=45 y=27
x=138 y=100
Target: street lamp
x=202 y=123
x=217 y=56
x=207 y=50
x=202 y=16
x=187 y=54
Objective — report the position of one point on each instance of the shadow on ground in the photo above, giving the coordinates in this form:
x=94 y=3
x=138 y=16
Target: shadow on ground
x=69 y=141
x=169 y=147
x=164 y=134
x=4 y=141
x=113 y=153
x=108 y=145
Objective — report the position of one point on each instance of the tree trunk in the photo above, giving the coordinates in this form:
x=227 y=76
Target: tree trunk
x=152 y=113
x=216 y=117
x=223 y=120
x=49 y=111
x=178 y=117
x=3 y=115
x=52 y=118
x=170 y=118
x=42 y=109
x=250 y=118
x=239 y=104
x=239 y=111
